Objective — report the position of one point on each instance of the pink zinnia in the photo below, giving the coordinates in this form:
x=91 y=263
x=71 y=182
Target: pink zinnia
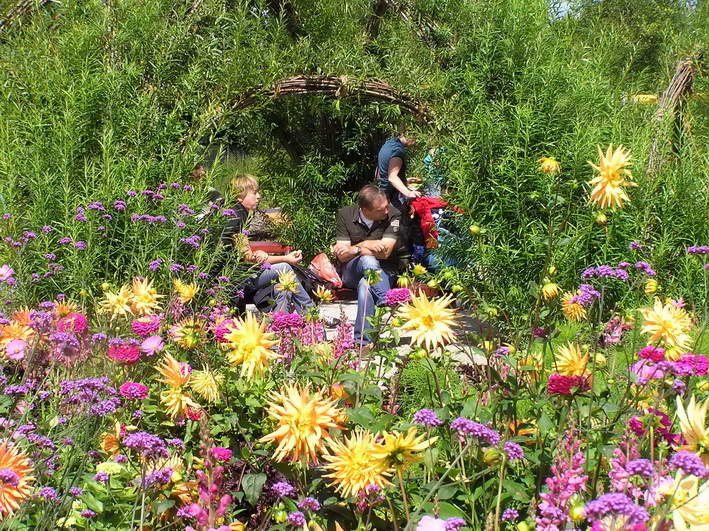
x=15 y=349
x=694 y=364
x=561 y=384
x=74 y=322
x=224 y=328
x=124 y=353
x=133 y=390
x=151 y=345
x=397 y=296
x=651 y=353
x=221 y=454
x=144 y=326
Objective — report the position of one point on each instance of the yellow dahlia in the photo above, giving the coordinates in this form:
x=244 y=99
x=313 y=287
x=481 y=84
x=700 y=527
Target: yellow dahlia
x=185 y=292
x=15 y=330
x=429 y=320
x=689 y=502
x=550 y=290
x=117 y=304
x=651 y=286
x=667 y=323
x=174 y=373
x=145 y=297
x=250 y=345
x=287 y=281
x=570 y=361
x=419 y=270
x=111 y=440
x=324 y=295
x=694 y=429
x=189 y=333
x=206 y=384
x=352 y=466
x=64 y=308
x=400 y=450
x=177 y=402
x=22 y=315
x=573 y=311
x=549 y=165
x=16 y=478
x=303 y=420
x=608 y=186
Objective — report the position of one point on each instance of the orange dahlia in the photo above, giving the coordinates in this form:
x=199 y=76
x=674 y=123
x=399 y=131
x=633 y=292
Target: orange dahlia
x=15 y=478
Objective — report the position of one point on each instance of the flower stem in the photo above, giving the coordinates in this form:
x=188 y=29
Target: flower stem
x=400 y=475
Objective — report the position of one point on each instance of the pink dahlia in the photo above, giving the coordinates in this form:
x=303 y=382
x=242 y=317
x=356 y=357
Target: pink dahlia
x=133 y=390
x=645 y=371
x=561 y=384
x=124 y=353
x=144 y=326
x=224 y=328
x=74 y=322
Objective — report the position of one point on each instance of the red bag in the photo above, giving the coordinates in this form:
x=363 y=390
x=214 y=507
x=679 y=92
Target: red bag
x=323 y=268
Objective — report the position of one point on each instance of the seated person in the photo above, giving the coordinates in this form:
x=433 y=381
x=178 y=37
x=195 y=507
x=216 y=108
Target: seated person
x=233 y=236
x=368 y=239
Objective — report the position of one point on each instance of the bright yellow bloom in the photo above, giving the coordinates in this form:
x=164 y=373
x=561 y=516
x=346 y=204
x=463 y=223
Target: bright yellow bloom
x=177 y=402
x=117 y=304
x=550 y=290
x=109 y=467
x=570 y=361
x=644 y=99
x=287 y=281
x=573 y=311
x=403 y=281
x=174 y=373
x=206 y=384
x=667 y=323
x=419 y=270
x=237 y=526
x=111 y=441
x=64 y=308
x=250 y=345
x=608 y=187
x=650 y=286
x=189 y=333
x=185 y=291
x=352 y=466
x=324 y=295
x=400 y=450
x=15 y=330
x=304 y=419
x=549 y=165
x=13 y=494
x=145 y=297
x=689 y=503
x=429 y=320
x=694 y=429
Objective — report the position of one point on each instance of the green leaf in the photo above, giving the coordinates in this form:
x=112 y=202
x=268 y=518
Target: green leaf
x=252 y=485
x=164 y=506
x=92 y=503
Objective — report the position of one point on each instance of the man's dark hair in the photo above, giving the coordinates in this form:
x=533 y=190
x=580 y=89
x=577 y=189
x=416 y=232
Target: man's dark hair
x=368 y=194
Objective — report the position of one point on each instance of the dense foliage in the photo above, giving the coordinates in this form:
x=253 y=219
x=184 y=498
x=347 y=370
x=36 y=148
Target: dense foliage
x=133 y=398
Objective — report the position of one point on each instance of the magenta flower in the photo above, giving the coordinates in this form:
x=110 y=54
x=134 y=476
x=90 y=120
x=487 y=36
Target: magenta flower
x=144 y=326
x=133 y=391
x=74 y=322
x=221 y=454
x=224 y=328
x=151 y=345
x=123 y=353
x=561 y=384
x=397 y=296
